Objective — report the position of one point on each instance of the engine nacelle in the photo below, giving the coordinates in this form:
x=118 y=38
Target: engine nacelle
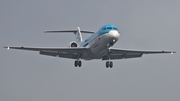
x=73 y=44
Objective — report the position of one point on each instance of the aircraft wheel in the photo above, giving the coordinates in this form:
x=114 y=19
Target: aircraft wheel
x=80 y=63
x=76 y=63
x=107 y=64
x=111 y=64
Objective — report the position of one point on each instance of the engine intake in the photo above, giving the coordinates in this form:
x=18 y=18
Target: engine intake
x=73 y=44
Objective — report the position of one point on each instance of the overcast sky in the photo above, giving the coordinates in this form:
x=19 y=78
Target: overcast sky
x=144 y=25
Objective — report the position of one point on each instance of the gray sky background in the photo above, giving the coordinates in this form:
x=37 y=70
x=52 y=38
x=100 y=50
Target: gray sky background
x=144 y=25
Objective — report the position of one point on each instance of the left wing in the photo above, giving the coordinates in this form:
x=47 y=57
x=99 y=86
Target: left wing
x=61 y=52
x=123 y=54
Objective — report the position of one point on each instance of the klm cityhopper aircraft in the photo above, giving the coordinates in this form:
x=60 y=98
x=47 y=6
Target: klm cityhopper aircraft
x=97 y=46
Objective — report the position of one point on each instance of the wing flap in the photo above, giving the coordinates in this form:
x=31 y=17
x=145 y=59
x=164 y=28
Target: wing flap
x=121 y=56
x=58 y=54
x=49 y=53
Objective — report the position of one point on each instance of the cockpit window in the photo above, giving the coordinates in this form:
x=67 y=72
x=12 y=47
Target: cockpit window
x=115 y=28
x=104 y=29
x=109 y=27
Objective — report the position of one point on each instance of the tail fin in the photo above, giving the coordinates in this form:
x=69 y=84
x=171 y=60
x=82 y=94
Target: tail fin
x=78 y=35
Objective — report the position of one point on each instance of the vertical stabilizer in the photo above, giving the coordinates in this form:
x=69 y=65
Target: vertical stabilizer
x=78 y=35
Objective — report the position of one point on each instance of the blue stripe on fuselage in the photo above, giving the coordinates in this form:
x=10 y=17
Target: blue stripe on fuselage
x=103 y=30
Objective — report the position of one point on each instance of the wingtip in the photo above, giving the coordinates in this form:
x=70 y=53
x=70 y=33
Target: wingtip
x=6 y=47
x=45 y=31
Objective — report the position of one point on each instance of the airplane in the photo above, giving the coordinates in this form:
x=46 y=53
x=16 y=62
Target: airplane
x=97 y=46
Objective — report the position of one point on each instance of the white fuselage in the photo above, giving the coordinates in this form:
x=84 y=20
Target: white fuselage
x=99 y=44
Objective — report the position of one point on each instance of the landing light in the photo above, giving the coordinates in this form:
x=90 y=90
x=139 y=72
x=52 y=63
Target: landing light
x=8 y=48
x=114 y=40
x=172 y=52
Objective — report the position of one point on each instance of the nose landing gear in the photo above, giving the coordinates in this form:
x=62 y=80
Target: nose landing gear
x=110 y=44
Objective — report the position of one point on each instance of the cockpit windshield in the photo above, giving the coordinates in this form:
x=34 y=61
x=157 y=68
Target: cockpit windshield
x=104 y=29
x=115 y=28
x=109 y=28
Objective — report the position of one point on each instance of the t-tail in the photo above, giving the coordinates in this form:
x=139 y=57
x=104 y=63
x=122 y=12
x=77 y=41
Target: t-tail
x=77 y=33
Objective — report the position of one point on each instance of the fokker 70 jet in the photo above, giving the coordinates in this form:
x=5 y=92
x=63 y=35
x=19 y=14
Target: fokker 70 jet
x=97 y=46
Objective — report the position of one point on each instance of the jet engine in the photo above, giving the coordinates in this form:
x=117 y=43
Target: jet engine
x=73 y=44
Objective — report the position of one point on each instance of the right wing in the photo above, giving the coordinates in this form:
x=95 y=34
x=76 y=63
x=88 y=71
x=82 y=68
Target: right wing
x=71 y=53
x=124 y=54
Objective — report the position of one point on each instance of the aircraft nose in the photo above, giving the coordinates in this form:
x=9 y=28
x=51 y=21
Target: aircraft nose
x=114 y=35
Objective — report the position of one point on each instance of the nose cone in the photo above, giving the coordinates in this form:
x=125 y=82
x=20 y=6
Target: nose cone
x=114 y=35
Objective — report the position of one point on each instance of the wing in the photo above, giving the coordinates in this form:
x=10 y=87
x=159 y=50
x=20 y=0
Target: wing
x=123 y=54
x=71 y=53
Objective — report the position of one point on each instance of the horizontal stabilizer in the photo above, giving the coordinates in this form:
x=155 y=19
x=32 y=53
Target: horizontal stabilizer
x=74 y=31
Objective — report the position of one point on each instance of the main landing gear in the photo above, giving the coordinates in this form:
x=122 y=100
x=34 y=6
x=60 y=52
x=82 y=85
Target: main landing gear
x=77 y=63
x=109 y=64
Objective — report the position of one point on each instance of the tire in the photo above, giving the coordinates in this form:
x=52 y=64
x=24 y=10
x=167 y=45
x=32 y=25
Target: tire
x=80 y=63
x=111 y=64
x=107 y=64
x=76 y=63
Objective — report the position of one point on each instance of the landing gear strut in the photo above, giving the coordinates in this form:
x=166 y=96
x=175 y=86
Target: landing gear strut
x=109 y=64
x=77 y=63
